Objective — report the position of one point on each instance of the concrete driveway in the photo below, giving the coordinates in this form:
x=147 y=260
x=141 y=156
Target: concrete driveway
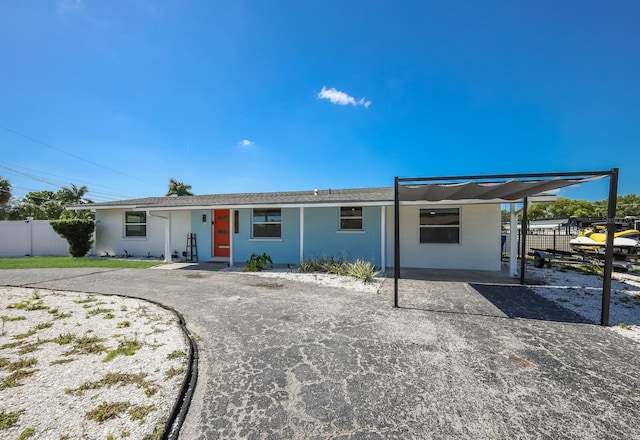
x=280 y=359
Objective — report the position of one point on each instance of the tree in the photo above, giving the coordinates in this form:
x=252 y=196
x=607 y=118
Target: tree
x=73 y=195
x=41 y=205
x=178 y=189
x=5 y=191
x=77 y=232
x=49 y=205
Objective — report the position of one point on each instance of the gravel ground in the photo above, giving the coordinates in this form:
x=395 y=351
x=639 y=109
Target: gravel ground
x=75 y=365
x=582 y=293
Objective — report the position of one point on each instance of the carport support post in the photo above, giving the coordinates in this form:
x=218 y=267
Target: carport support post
x=523 y=229
x=396 y=242
x=513 y=242
x=608 y=253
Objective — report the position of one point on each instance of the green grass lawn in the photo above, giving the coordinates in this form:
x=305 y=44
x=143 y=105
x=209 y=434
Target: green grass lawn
x=63 y=262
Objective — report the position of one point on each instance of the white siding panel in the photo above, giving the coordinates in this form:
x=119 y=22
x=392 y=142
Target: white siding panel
x=479 y=247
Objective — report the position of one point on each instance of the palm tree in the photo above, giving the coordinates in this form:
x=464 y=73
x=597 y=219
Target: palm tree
x=73 y=195
x=177 y=188
x=5 y=191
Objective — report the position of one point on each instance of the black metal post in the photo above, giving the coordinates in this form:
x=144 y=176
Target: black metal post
x=523 y=229
x=396 y=242
x=608 y=253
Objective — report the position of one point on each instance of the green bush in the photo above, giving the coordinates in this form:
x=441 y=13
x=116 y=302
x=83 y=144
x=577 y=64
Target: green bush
x=77 y=232
x=363 y=270
x=258 y=262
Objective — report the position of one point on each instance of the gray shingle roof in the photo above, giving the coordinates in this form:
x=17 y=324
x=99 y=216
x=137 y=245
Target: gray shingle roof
x=328 y=196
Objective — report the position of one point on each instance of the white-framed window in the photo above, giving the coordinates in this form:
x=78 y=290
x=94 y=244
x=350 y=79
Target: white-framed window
x=440 y=225
x=351 y=218
x=135 y=224
x=266 y=223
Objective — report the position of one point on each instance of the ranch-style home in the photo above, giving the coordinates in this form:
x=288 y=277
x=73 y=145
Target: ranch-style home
x=463 y=233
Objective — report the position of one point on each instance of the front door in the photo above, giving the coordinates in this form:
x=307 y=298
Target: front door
x=221 y=233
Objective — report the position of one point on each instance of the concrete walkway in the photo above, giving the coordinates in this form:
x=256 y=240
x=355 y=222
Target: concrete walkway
x=280 y=359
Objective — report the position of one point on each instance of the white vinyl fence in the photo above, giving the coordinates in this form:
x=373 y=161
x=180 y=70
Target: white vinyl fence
x=19 y=238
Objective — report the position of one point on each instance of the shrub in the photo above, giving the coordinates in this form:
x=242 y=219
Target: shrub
x=258 y=262
x=363 y=270
x=333 y=266
x=77 y=232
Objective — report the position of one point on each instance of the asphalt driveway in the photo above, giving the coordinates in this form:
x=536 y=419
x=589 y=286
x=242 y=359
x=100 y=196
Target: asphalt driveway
x=280 y=359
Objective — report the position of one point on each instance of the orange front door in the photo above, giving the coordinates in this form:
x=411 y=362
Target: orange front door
x=221 y=233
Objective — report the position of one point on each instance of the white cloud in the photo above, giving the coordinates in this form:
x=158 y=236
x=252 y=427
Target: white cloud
x=245 y=143
x=341 y=98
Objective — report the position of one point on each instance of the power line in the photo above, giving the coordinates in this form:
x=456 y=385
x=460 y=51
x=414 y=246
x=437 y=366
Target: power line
x=73 y=155
x=116 y=195
x=52 y=182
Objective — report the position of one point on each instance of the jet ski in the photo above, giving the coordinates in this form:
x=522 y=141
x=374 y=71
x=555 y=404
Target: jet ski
x=593 y=241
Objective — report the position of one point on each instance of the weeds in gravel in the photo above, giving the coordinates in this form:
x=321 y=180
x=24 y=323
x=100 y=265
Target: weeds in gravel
x=85 y=300
x=125 y=348
x=28 y=305
x=140 y=412
x=98 y=311
x=34 y=330
x=62 y=361
x=120 y=379
x=6 y=318
x=157 y=434
x=28 y=432
x=14 y=379
x=87 y=345
x=57 y=315
x=17 y=365
x=107 y=410
x=30 y=347
x=7 y=420
x=173 y=372
x=177 y=354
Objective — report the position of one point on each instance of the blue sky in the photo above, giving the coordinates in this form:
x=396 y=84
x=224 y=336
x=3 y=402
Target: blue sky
x=243 y=96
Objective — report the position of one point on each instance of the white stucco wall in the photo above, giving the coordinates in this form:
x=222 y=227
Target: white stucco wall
x=479 y=247
x=110 y=233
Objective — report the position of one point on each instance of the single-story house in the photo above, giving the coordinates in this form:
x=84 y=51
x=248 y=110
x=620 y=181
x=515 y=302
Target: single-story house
x=461 y=233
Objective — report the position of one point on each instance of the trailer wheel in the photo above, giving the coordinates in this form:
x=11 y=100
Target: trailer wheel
x=538 y=261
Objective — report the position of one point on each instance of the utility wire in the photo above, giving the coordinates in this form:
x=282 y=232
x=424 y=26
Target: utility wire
x=74 y=155
x=51 y=182
x=93 y=185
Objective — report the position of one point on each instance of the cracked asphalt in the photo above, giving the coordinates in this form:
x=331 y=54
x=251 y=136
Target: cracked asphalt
x=285 y=360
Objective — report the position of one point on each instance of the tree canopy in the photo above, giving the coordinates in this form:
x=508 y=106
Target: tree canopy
x=628 y=205
x=5 y=191
x=178 y=188
x=45 y=204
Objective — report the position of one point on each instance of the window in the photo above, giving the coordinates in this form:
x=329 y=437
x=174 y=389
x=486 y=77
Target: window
x=267 y=223
x=135 y=224
x=351 y=218
x=440 y=225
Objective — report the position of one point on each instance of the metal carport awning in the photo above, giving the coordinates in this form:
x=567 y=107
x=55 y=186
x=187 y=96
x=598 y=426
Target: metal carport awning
x=504 y=188
x=508 y=191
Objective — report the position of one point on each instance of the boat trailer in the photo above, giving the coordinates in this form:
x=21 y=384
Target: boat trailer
x=543 y=256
